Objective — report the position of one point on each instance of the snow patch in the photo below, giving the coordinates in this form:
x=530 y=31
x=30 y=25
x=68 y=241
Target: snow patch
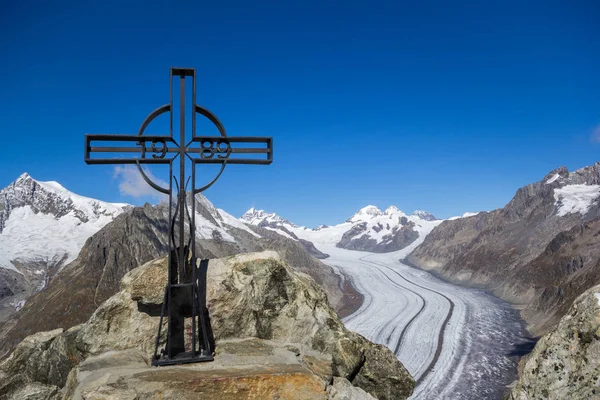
x=281 y=232
x=82 y=203
x=597 y=298
x=573 y=199
x=234 y=222
x=205 y=229
x=17 y=304
x=555 y=177
x=465 y=215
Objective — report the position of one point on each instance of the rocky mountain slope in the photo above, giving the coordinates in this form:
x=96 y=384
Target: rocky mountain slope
x=370 y=229
x=540 y=250
x=42 y=228
x=276 y=337
x=132 y=239
x=565 y=363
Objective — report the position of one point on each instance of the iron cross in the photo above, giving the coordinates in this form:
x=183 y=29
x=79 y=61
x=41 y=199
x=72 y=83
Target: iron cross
x=185 y=291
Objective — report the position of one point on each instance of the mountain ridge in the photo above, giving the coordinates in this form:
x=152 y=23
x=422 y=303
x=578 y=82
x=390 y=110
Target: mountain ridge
x=539 y=250
x=369 y=229
x=42 y=228
x=132 y=238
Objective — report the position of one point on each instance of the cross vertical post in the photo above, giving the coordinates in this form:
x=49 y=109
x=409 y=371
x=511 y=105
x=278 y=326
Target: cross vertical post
x=185 y=289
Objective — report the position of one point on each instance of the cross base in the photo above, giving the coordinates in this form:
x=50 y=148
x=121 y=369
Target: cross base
x=182 y=358
x=185 y=301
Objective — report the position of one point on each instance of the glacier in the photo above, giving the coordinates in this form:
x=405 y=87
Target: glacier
x=457 y=342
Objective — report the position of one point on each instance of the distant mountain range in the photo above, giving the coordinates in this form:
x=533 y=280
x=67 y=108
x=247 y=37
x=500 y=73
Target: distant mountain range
x=369 y=229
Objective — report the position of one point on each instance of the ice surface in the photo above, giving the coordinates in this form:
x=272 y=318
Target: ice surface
x=409 y=311
x=575 y=198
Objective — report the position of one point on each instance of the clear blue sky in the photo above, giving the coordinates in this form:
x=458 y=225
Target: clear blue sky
x=443 y=106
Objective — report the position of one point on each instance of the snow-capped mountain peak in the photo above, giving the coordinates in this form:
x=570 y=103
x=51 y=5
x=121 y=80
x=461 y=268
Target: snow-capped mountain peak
x=23 y=176
x=258 y=217
x=424 y=215
x=392 y=209
x=394 y=212
x=365 y=214
x=52 y=198
x=44 y=222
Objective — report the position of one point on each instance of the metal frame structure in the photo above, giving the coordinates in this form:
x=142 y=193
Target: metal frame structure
x=185 y=291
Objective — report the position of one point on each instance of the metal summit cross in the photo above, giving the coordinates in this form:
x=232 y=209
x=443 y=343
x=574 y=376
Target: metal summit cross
x=185 y=291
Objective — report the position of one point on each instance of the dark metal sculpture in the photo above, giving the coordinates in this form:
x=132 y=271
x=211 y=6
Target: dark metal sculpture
x=185 y=291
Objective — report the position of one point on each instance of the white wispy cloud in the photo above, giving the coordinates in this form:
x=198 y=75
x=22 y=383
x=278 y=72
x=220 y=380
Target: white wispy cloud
x=133 y=184
x=595 y=138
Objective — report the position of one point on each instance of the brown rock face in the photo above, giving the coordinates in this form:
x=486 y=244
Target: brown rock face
x=276 y=335
x=527 y=252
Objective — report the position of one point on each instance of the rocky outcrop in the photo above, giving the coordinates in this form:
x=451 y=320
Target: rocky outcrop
x=133 y=239
x=276 y=336
x=539 y=250
x=356 y=238
x=565 y=363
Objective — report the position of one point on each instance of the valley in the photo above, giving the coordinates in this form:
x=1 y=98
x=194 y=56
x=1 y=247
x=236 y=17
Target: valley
x=400 y=280
x=457 y=343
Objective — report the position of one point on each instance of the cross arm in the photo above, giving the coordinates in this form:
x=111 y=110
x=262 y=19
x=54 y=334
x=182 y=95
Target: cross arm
x=149 y=149
x=219 y=150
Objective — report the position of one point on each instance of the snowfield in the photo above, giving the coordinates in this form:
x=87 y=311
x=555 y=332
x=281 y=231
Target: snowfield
x=31 y=236
x=575 y=198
